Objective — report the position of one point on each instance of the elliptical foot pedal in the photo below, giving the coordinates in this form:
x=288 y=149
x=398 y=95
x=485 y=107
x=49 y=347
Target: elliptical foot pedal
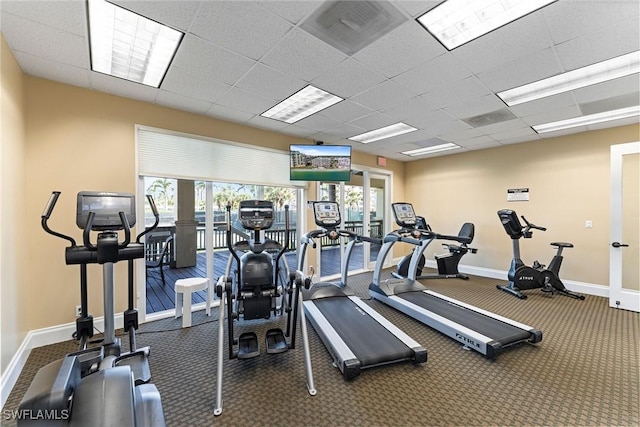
x=248 y=345
x=276 y=341
x=138 y=361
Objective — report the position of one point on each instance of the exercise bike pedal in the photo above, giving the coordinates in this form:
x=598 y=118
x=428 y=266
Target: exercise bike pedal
x=276 y=341
x=248 y=345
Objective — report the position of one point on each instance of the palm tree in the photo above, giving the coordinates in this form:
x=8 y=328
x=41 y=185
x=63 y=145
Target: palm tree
x=161 y=189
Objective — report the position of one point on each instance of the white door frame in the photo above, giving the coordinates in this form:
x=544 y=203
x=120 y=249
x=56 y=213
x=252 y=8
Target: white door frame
x=619 y=297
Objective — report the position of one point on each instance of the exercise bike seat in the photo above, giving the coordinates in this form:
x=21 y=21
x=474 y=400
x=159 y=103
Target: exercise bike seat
x=562 y=244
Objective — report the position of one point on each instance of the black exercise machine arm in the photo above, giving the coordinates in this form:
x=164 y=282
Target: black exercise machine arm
x=529 y=226
x=154 y=209
x=229 y=245
x=285 y=247
x=48 y=210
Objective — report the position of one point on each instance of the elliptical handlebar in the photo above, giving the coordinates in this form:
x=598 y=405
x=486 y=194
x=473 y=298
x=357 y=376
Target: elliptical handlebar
x=154 y=209
x=48 y=210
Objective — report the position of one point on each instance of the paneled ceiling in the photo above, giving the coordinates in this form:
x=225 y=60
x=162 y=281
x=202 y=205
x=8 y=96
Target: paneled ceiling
x=239 y=58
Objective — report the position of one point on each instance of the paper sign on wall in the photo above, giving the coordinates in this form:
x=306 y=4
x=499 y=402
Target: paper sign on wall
x=517 y=194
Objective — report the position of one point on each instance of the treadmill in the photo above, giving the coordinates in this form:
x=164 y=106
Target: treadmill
x=477 y=329
x=356 y=336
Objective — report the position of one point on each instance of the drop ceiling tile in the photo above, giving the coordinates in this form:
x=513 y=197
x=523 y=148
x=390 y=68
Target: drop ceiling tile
x=606 y=90
x=471 y=108
x=520 y=139
x=474 y=142
x=425 y=77
x=552 y=115
x=318 y=122
x=299 y=131
x=41 y=40
x=270 y=82
x=622 y=122
x=570 y=19
x=302 y=55
x=239 y=99
x=544 y=105
x=347 y=78
x=461 y=91
x=519 y=132
x=240 y=26
x=189 y=85
x=121 y=87
x=293 y=11
x=69 y=16
x=175 y=14
x=386 y=94
x=346 y=111
x=373 y=121
x=51 y=70
x=503 y=45
x=265 y=123
x=530 y=68
x=179 y=102
x=212 y=62
x=415 y=8
x=412 y=112
x=601 y=45
x=228 y=114
x=400 y=50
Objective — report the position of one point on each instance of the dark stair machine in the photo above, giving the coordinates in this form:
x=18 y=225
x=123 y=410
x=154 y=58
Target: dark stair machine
x=477 y=329
x=255 y=291
x=99 y=386
x=356 y=335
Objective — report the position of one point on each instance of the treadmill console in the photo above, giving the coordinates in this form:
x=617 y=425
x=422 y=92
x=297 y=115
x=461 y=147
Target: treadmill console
x=256 y=214
x=404 y=214
x=326 y=214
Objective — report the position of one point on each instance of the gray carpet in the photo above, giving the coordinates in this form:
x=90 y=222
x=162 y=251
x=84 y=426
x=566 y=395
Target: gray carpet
x=585 y=372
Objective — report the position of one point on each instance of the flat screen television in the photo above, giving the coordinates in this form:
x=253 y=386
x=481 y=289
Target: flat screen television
x=320 y=162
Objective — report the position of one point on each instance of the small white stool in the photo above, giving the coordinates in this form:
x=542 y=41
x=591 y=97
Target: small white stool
x=183 y=290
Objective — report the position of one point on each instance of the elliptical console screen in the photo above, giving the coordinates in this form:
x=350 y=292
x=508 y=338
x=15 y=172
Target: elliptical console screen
x=404 y=214
x=256 y=214
x=326 y=214
x=107 y=208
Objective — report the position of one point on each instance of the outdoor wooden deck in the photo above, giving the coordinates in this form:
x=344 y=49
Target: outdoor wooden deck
x=161 y=298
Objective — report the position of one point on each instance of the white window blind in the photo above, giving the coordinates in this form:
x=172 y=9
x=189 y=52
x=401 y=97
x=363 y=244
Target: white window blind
x=173 y=155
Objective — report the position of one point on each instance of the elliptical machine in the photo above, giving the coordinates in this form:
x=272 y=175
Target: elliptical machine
x=99 y=386
x=256 y=291
x=447 y=263
x=522 y=277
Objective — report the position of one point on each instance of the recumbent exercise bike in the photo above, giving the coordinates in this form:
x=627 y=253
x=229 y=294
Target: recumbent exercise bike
x=522 y=277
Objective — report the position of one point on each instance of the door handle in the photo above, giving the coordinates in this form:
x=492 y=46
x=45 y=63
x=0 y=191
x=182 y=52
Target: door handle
x=619 y=245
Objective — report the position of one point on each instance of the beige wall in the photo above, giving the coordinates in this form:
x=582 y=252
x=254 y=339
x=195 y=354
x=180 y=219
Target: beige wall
x=14 y=296
x=84 y=140
x=568 y=178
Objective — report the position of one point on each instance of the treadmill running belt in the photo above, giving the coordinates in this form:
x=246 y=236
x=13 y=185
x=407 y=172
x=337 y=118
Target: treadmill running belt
x=499 y=331
x=371 y=342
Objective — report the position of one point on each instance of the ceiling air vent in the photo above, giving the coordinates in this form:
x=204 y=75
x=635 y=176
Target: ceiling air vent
x=493 y=117
x=351 y=25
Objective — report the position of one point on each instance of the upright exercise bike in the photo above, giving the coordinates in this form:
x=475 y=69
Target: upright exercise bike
x=99 y=386
x=522 y=277
x=255 y=291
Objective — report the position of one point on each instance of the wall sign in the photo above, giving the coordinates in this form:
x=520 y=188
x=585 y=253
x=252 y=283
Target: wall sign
x=517 y=195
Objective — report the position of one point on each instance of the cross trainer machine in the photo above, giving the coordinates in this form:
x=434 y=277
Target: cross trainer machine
x=99 y=386
x=255 y=292
x=356 y=336
x=522 y=277
x=477 y=329
x=447 y=263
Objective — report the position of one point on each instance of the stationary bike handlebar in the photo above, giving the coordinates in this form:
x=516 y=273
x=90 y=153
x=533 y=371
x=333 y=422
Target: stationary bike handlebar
x=530 y=225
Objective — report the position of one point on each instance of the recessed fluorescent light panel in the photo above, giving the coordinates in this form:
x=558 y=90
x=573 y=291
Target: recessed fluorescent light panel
x=431 y=150
x=456 y=22
x=610 y=69
x=301 y=104
x=622 y=113
x=130 y=46
x=383 y=133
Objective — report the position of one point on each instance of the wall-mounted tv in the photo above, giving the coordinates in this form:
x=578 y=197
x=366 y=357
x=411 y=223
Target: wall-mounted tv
x=320 y=162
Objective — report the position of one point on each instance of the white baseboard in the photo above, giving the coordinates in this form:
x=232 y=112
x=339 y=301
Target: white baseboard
x=60 y=333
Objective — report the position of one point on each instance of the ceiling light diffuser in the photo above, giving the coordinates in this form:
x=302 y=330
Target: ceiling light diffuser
x=383 y=133
x=456 y=22
x=431 y=150
x=130 y=46
x=622 y=113
x=610 y=69
x=301 y=104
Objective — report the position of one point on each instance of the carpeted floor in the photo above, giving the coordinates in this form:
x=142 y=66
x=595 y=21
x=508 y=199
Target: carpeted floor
x=585 y=372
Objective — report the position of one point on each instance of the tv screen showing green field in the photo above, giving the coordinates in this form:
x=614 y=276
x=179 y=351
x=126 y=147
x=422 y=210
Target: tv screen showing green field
x=320 y=162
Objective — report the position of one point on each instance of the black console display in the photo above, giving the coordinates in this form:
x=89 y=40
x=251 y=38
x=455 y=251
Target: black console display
x=404 y=214
x=107 y=208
